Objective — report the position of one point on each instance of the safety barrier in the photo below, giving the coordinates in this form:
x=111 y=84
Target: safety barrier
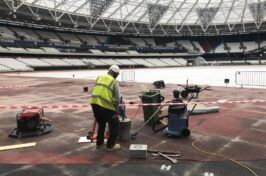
x=76 y=106
x=22 y=85
x=128 y=76
x=250 y=78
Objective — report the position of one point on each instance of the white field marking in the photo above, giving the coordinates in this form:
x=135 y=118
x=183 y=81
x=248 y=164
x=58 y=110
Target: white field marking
x=165 y=168
x=208 y=174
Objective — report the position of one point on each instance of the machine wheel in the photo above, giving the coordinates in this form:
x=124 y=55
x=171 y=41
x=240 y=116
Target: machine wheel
x=160 y=124
x=184 y=94
x=185 y=132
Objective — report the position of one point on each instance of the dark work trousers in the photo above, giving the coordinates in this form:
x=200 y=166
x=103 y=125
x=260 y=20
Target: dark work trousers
x=103 y=116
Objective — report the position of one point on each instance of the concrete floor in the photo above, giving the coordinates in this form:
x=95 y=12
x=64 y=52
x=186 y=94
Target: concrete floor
x=237 y=131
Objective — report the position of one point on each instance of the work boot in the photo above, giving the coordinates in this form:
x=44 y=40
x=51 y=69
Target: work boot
x=115 y=147
x=101 y=146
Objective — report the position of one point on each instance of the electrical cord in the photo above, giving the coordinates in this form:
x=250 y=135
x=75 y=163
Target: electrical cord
x=218 y=155
x=62 y=128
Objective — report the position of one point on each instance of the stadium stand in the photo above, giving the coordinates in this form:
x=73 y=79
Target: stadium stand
x=96 y=51
x=25 y=34
x=187 y=44
x=35 y=50
x=48 y=35
x=70 y=38
x=2 y=49
x=93 y=62
x=5 y=33
x=75 y=62
x=157 y=62
x=181 y=61
x=55 y=62
x=137 y=41
x=132 y=52
x=4 y=68
x=16 y=50
x=150 y=41
x=198 y=46
x=142 y=62
x=171 y=44
x=15 y=65
x=170 y=62
x=220 y=49
x=34 y=62
x=109 y=61
x=250 y=46
x=50 y=50
x=234 y=47
x=111 y=52
x=101 y=39
x=90 y=40
x=126 y=62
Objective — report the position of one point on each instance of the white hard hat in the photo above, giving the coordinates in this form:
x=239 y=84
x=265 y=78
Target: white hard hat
x=114 y=68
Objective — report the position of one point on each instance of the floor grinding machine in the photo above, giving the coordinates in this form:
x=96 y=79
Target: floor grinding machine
x=30 y=122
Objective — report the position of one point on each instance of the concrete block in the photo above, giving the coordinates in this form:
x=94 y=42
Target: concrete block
x=138 y=151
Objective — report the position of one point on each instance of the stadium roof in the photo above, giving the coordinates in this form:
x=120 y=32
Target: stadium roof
x=177 y=13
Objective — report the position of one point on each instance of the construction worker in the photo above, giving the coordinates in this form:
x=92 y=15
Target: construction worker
x=105 y=101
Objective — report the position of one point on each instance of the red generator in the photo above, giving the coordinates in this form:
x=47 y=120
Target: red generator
x=30 y=122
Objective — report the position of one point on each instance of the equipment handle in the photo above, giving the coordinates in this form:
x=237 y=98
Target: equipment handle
x=161 y=99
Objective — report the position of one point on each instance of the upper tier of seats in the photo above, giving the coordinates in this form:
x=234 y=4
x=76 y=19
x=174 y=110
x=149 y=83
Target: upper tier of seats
x=58 y=39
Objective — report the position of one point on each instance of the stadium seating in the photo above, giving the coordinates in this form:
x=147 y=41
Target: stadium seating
x=125 y=62
x=220 y=49
x=109 y=61
x=101 y=39
x=197 y=45
x=50 y=50
x=137 y=41
x=96 y=51
x=157 y=62
x=35 y=50
x=187 y=44
x=132 y=52
x=51 y=36
x=68 y=37
x=75 y=62
x=55 y=62
x=27 y=34
x=14 y=65
x=110 y=53
x=4 y=68
x=150 y=41
x=170 y=62
x=16 y=50
x=142 y=62
x=94 y=62
x=3 y=50
x=234 y=47
x=5 y=33
x=90 y=40
x=181 y=61
x=34 y=62
x=250 y=46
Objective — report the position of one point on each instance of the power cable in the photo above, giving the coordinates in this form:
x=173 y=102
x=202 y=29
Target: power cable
x=218 y=155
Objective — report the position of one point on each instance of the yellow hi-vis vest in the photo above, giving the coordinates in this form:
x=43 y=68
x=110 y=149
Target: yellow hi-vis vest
x=102 y=93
